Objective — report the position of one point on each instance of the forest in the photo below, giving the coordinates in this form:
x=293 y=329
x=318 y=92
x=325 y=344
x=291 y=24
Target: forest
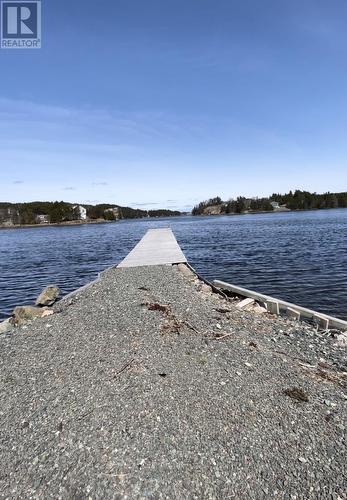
x=297 y=200
x=60 y=211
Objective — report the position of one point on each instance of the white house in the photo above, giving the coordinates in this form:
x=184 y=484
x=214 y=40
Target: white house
x=80 y=212
x=42 y=219
x=275 y=205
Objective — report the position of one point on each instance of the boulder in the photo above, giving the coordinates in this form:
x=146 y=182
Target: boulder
x=23 y=314
x=48 y=296
x=5 y=326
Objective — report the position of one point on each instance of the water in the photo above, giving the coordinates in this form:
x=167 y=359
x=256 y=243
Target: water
x=297 y=256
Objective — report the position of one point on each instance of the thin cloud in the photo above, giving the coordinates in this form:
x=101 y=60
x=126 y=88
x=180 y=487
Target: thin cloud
x=145 y=204
x=69 y=188
x=18 y=182
x=99 y=183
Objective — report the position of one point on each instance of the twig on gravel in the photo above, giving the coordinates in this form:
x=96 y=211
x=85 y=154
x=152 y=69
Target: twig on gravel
x=192 y=327
x=220 y=337
x=69 y=469
x=158 y=307
x=222 y=310
x=124 y=367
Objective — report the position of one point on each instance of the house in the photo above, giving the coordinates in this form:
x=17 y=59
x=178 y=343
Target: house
x=275 y=205
x=80 y=213
x=9 y=216
x=42 y=219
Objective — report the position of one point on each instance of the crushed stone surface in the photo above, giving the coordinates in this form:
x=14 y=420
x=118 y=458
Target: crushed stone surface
x=115 y=397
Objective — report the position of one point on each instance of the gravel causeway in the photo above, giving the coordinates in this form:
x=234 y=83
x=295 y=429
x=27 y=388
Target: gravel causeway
x=146 y=385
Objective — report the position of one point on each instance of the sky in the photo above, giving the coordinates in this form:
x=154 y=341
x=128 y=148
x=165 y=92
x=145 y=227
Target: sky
x=164 y=103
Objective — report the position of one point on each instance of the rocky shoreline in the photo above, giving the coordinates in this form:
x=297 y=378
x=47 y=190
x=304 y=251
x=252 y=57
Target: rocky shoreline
x=148 y=384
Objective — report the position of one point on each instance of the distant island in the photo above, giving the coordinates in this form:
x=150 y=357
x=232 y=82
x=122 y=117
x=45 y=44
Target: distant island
x=297 y=200
x=61 y=212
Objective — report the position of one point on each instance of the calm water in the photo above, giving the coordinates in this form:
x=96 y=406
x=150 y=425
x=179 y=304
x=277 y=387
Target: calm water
x=300 y=257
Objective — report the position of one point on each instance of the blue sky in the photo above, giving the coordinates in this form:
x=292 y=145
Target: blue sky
x=168 y=102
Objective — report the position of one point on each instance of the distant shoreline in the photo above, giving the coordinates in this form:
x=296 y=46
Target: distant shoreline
x=254 y=212
x=103 y=221
x=54 y=224
x=79 y=222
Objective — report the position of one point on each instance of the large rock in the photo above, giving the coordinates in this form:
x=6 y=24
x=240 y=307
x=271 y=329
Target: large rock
x=23 y=314
x=48 y=296
x=5 y=326
x=213 y=210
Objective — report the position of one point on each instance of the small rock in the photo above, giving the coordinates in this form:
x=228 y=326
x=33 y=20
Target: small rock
x=257 y=309
x=296 y=393
x=48 y=296
x=302 y=460
x=23 y=314
x=5 y=326
x=184 y=269
x=341 y=340
x=248 y=364
x=205 y=288
x=47 y=312
x=218 y=326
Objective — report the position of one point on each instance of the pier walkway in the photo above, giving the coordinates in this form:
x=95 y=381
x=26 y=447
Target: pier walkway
x=158 y=246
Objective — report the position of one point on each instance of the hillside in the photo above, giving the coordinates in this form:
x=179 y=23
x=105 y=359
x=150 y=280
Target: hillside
x=297 y=200
x=59 y=211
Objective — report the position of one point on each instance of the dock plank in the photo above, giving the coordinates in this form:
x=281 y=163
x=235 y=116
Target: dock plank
x=158 y=246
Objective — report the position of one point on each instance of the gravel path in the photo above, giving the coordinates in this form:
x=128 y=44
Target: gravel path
x=116 y=397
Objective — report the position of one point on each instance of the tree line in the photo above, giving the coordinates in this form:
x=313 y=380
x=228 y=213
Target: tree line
x=297 y=200
x=60 y=211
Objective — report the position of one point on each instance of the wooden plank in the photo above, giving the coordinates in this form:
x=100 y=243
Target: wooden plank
x=292 y=313
x=157 y=247
x=273 y=307
x=321 y=321
x=283 y=305
x=245 y=303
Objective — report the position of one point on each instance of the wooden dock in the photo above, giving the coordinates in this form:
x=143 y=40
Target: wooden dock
x=278 y=306
x=158 y=246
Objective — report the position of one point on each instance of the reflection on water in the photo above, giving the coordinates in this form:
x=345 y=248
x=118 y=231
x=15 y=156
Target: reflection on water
x=297 y=256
